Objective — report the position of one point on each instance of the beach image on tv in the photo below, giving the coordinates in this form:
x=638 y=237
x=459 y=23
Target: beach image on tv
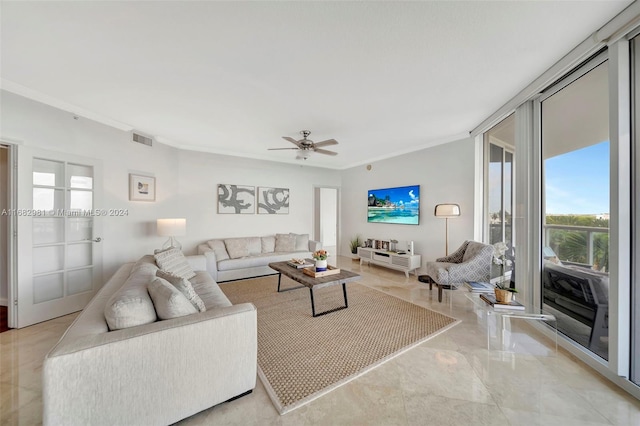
x=394 y=205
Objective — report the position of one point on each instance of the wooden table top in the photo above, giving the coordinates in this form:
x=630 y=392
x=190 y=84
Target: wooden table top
x=311 y=282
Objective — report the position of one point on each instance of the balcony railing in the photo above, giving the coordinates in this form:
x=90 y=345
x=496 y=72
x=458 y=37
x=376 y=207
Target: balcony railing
x=589 y=231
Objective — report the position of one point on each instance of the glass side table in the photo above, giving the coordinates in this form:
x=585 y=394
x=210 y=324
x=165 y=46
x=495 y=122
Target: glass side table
x=499 y=323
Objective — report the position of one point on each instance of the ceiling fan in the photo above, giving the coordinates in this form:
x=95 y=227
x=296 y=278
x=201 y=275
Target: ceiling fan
x=307 y=146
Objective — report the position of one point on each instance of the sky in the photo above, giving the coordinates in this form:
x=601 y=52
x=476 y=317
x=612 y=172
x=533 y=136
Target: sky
x=402 y=195
x=578 y=182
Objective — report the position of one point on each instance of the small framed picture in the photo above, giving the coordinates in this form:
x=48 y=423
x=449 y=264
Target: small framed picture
x=142 y=188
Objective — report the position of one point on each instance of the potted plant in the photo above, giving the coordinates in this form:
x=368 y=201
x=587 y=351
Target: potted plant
x=320 y=257
x=353 y=245
x=504 y=293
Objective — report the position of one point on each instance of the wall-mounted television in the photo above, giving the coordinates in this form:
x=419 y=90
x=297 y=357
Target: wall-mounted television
x=394 y=205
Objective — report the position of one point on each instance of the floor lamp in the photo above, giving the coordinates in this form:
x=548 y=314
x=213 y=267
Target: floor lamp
x=172 y=228
x=447 y=211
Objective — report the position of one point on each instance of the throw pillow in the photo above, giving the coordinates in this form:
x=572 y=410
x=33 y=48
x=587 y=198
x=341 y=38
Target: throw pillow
x=219 y=249
x=268 y=244
x=302 y=242
x=129 y=306
x=237 y=247
x=185 y=287
x=173 y=260
x=168 y=300
x=285 y=243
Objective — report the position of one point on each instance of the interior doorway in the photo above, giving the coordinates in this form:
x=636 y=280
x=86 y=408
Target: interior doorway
x=4 y=237
x=326 y=219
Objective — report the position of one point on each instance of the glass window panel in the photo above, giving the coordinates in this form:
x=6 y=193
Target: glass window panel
x=48 y=259
x=79 y=281
x=48 y=173
x=79 y=229
x=79 y=254
x=576 y=185
x=47 y=287
x=48 y=199
x=80 y=200
x=47 y=230
x=495 y=194
x=80 y=176
x=508 y=196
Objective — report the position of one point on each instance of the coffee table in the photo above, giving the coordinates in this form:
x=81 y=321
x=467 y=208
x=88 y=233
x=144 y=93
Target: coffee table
x=283 y=268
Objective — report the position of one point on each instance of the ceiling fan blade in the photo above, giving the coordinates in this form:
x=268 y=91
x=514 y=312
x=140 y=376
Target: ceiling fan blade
x=326 y=143
x=278 y=149
x=293 y=141
x=324 y=151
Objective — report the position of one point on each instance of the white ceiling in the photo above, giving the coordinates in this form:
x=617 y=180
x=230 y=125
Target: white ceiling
x=383 y=78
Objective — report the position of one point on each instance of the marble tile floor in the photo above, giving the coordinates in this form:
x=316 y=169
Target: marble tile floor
x=451 y=379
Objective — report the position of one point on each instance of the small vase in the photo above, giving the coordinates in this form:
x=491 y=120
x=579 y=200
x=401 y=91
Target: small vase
x=503 y=296
x=321 y=265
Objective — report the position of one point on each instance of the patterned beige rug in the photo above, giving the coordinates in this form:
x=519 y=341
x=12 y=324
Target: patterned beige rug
x=301 y=358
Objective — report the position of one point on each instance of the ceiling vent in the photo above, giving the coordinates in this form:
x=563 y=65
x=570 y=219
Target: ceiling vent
x=140 y=138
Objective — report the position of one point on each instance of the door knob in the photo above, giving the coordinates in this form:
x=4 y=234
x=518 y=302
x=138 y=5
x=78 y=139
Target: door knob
x=97 y=240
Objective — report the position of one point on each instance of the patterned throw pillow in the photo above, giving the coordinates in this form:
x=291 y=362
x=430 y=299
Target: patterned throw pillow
x=285 y=243
x=185 y=288
x=168 y=300
x=173 y=260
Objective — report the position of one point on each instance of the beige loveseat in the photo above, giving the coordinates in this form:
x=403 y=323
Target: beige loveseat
x=155 y=373
x=232 y=259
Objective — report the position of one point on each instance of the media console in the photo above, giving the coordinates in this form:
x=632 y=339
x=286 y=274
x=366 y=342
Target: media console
x=401 y=262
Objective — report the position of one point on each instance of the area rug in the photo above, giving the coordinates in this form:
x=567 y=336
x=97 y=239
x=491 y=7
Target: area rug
x=301 y=358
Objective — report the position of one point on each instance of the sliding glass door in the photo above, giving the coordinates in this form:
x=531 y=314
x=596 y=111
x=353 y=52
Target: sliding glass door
x=575 y=208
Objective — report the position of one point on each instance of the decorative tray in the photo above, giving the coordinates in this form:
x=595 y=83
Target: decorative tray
x=331 y=270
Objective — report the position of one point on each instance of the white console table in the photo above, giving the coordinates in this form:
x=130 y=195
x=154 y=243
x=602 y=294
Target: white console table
x=401 y=262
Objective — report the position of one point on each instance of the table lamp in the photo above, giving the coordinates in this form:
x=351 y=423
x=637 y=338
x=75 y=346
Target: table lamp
x=171 y=228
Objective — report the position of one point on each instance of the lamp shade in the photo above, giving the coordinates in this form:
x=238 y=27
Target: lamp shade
x=171 y=227
x=447 y=210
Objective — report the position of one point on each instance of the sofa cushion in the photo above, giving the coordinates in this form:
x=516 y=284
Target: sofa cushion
x=173 y=260
x=237 y=247
x=131 y=305
x=209 y=291
x=219 y=249
x=302 y=242
x=168 y=301
x=253 y=261
x=285 y=243
x=185 y=287
x=254 y=245
x=268 y=244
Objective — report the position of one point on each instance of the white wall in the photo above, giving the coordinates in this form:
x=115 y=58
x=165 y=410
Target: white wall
x=445 y=174
x=186 y=182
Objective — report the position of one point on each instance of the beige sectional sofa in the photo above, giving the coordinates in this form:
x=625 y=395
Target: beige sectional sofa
x=232 y=259
x=156 y=372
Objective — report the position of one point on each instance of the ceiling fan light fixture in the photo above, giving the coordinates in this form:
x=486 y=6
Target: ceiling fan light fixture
x=303 y=154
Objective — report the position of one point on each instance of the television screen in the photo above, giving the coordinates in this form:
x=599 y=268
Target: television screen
x=394 y=205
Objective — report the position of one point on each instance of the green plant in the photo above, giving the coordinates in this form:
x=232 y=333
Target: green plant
x=354 y=244
x=505 y=286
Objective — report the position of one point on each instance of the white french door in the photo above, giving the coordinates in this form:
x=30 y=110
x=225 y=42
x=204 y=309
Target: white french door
x=59 y=249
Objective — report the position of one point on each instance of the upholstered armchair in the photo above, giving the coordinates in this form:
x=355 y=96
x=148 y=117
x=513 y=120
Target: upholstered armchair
x=471 y=262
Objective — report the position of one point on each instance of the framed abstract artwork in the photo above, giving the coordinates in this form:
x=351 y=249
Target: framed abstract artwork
x=142 y=188
x=273 y=200
x=236 y=199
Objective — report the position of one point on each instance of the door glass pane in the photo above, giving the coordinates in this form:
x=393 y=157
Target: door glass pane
x=78 y=255
x=508 y=196
x=48 y=199
x=47 y=287
x=48 y=173
x=79 y=281
x=575 y=151
x=48 y=230
x=495 y=194
x=48 y=259
x=80 y=176
x=80 y=200
x=79 y=229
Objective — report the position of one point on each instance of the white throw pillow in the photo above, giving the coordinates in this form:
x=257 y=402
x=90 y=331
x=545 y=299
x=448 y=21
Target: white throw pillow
x=285 y=243
x=173 y=260
x=302 y=242
x=268 y=244
x=168 y=300
x=185 y=287
x=237 y=247
x=130 y=306
x=219 y=249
